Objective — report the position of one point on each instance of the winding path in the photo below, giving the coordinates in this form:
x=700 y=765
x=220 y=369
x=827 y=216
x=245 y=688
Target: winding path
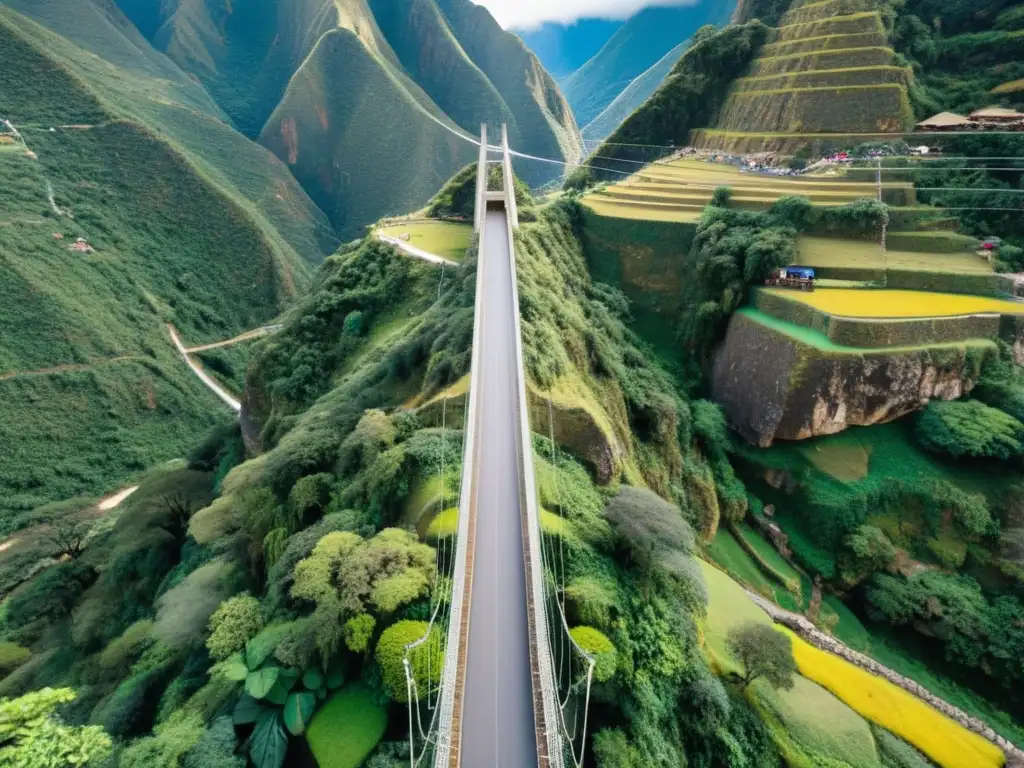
x=214 y=387
x=416 y=253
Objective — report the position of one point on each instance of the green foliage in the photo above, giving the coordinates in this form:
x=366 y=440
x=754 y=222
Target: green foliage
x=268 y=744
x=233 y=624
x=12 y=656
x=215 y=748
x=347 y=728
x=895 y=752
x=167 y=747
x=32 y=735
x=732 y=250
x=425 y=659
x=359 y=631
x=600 y=648
x=970 y=429
x=184 y=611
x=976 y=632
x=650 y=531
x=51 y=595
x=764 y=653
x=346 y=576
x=871 y=551
x=119 y=655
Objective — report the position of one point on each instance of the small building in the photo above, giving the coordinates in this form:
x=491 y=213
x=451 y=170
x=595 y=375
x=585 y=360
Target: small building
x=81 y=246
x=801 y=278
x=999 y=115
x=945 y=121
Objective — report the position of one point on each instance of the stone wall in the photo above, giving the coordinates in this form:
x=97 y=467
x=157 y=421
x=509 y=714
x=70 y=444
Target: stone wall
x=776 y=387
x=805 y=629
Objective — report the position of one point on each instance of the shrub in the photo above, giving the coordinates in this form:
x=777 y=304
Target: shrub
x=347 y=728
x=183 y=612
x=51 y=595
x=425 y=659
x=166 y=747
x=31 y=733
x=721 y=197
x=233 y=624
x=647 y=527
x=970 y=428
x=600 y=649
x=215 y=748
x=118 y=657
x=12 y=656
x=359 y=632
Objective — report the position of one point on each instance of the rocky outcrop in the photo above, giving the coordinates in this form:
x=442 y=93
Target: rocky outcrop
x=825 y=642
x=777 y=387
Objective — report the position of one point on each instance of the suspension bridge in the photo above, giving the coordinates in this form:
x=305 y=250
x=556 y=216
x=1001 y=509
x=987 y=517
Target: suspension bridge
x=513 y=687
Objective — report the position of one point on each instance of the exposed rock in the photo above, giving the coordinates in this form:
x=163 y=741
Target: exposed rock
x=774 y=387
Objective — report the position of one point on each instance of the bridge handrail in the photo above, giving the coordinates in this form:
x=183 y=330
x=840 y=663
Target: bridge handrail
x=548 y=734
x=452 y=683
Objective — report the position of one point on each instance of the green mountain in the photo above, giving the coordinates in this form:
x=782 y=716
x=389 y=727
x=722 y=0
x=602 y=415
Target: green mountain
x=363 y=99
x=188 y=223
x=634 y=95
x=639 y=45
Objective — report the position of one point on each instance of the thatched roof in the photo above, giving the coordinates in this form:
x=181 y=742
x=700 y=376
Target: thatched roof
x=944 y=120
x=997 y=113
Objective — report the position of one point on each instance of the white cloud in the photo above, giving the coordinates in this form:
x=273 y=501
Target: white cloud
x=529 y=14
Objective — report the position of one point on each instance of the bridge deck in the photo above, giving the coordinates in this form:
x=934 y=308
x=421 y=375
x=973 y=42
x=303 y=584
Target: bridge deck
x=498 y=727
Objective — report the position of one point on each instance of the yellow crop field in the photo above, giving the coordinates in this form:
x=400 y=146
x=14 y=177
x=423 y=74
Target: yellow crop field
x=853 y=302
x=944 y=741
x=446 y=239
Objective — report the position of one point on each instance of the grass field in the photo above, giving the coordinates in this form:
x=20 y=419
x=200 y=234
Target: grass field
x=728 y=553
x=847 y=460
x=347 y=728
x=820 y=341
x=728 y=606
x=944 y=741
x=829 y=252
x=850 y=302
x=441 y=238
x=768 y=553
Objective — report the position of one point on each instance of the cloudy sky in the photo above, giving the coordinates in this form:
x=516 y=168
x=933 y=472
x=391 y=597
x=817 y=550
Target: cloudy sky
x=525 y=14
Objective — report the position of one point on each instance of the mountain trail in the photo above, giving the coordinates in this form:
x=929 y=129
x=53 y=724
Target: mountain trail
x=197 y=369
x=416 y=253
x=69 y=368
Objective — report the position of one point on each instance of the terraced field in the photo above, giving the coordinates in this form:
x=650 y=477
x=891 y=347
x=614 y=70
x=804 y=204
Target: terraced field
x=828 y=80
x=825 y=253
x=847 y=302
x=680 y=190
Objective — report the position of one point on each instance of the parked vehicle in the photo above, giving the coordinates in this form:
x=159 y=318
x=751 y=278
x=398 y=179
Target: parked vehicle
x=800 y=278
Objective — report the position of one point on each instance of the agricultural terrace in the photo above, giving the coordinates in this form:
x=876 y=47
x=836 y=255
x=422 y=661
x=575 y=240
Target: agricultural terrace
x=854 y=302
x=446 y=239
x=826 y=713
x=826 y=253
x=679 y=190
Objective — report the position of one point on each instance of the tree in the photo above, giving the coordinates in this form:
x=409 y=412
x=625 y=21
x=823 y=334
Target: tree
x=870 y=549
x=179 y=509
x=233 y=624
x=346 y=576
x=359 y=632
x=764 y=653
x=31 y=734
x=647 y=526
x=600 y=648
x=69 y=537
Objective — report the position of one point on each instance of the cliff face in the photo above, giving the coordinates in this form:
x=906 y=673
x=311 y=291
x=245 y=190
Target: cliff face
x=775 y=387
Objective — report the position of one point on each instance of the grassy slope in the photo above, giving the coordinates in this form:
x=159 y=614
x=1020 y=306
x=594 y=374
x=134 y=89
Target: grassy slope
x=331 y=136
x=442 y=238
x=633 y=95
x=119 y=398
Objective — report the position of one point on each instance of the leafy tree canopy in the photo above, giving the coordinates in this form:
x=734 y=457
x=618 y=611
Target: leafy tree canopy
x=31 y=734
x=970 y=428
x=764 y=652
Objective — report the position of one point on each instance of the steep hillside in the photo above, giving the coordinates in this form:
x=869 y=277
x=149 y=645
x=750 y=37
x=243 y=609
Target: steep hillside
x=564 y=48
x=634 y=95
x=282 y=71
x=641 y=42
x=172 y=235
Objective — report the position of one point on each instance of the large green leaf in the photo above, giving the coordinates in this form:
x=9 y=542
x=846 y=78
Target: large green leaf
x=234 y=668
x=269 y=742
x=288 y=677
x=313 y=678
x=277 y=695
x=247 y=710
x=335 y=676
x=298 y=711
x=259 y=683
